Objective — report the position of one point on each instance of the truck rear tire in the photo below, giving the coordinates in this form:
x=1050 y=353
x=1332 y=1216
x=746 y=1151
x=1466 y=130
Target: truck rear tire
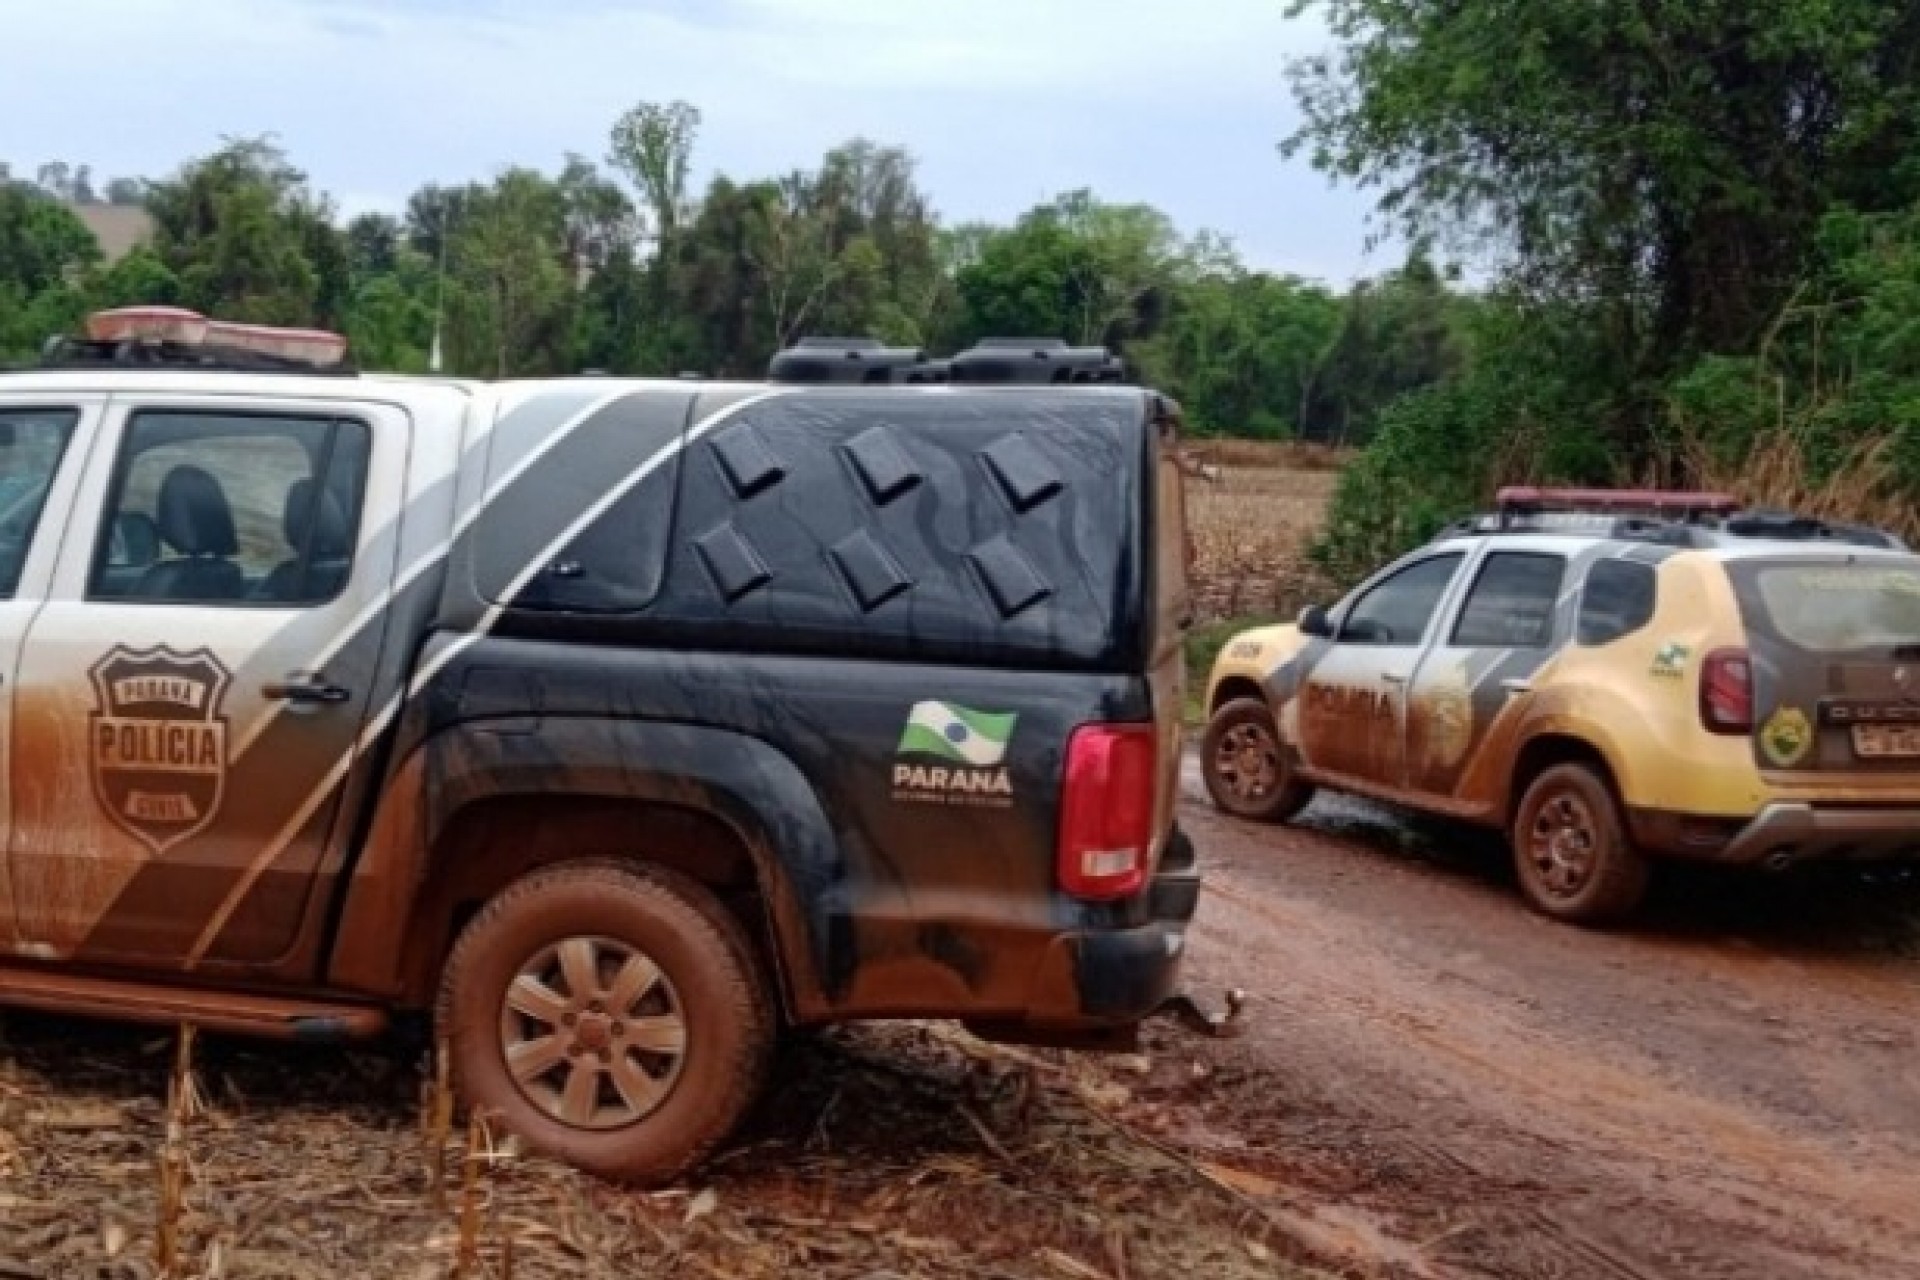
x=1246 y=766
x=1571 y=850
x=611 y=1016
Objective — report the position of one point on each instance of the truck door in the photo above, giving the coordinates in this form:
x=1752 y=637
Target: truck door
x=191 y=695
x=42 y=446
x=1353 y=704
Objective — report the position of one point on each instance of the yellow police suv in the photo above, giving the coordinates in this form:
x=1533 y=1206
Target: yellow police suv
x=1611 y=677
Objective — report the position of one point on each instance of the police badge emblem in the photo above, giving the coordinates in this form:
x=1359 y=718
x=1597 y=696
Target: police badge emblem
x=159 y=742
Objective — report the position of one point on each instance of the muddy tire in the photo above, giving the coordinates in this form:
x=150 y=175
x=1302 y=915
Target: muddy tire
x=612 y=1017
x=1571 y=850
x=1248 y=770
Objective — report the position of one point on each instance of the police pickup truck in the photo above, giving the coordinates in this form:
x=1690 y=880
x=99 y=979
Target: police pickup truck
x=620 y=724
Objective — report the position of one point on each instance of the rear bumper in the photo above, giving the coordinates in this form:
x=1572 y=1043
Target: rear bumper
x=1791 y=832
x=1786 y=833
x=1095 y=986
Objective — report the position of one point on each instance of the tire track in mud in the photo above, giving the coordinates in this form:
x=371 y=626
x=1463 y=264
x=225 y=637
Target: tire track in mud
x=1516 y=1098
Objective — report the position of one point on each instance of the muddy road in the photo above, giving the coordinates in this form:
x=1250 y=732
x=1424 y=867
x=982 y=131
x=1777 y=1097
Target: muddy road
x=1432 y=1082
x=1445 y=1084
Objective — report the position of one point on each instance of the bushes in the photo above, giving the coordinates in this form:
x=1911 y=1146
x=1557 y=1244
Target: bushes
x=1822 y=417
x=1527 y=409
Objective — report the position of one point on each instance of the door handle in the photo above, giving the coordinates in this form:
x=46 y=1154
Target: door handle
x=314 y=688
x=1393 y=680
x=1517 y=687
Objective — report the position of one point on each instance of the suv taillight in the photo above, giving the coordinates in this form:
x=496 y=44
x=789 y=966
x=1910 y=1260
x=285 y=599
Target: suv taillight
x=1106 y=811
x=1726 y=691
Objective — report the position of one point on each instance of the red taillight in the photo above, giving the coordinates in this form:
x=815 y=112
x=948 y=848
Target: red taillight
x=1106 y=811
x=1726 y=691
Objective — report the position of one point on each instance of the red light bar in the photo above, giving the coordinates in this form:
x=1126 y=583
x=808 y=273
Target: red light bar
x=309 y=346
x=148 y=324
x=1528 y=499
x=313 y=347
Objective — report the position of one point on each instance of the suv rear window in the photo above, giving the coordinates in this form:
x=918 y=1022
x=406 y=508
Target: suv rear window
x=1841 y=608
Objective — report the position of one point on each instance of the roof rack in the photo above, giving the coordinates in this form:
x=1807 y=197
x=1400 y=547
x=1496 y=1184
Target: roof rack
x=1035 y=361
x=171 y=337
x=1663 y=517
x=1788 y=526
x=852 y=362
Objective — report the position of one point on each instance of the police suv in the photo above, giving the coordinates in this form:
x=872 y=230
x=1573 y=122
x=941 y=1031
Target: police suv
x=1610 y=677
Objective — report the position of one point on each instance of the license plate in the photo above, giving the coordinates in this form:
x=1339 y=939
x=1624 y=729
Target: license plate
x=1886 y=741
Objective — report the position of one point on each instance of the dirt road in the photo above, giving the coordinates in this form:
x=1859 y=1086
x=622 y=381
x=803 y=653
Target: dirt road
x=1432 y=1083
x=1447 y=1085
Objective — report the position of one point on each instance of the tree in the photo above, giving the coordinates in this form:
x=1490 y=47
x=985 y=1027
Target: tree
x=1244 y=352
x=434 y=214
x=1665 y=162
x=653 y=145
x=248 y=241
x=42 y=244
x=1081 y=269
x=373 y=244
x=56 y=179
x=44 y=252
x=126 y=192
x=601 y=223
x=512 y=298
x=139 y=278
x=1397 y=335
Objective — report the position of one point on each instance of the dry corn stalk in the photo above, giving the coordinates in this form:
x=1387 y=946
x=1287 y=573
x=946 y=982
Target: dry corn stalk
x=477 y=1164
x=183 y=1103
x=436 y=1123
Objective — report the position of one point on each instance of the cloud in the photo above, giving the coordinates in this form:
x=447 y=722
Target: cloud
x=1005 y=102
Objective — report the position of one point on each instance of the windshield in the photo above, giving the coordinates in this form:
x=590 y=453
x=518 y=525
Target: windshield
x=1843 y=608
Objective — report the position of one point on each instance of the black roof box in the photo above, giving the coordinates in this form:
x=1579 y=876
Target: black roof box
x=1035 y=361
x=850 y=361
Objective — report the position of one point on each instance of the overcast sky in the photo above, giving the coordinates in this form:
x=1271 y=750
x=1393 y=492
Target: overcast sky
x=1179 y=103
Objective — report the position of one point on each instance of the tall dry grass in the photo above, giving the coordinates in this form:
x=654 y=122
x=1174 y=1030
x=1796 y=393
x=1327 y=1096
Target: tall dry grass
x=1863 y=487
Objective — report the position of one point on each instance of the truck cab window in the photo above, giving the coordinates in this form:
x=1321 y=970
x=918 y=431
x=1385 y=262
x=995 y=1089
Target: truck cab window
x=32 y=442
x=217 y=510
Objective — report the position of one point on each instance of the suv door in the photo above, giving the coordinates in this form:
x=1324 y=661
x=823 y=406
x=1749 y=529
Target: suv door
x=191 y=695
x=43 y=443
x=1353 y=704
x=1508 y=625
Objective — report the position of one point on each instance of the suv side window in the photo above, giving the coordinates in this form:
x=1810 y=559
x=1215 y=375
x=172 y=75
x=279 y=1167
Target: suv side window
x=1397 y=611
x=1617 y=601
x=32 y=442
x=232 y=510
x=1512 y=602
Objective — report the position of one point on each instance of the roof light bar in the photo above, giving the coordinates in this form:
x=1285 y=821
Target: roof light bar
x=315 y=348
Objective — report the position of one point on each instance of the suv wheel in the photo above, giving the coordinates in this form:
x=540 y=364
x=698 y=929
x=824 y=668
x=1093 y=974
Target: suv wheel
x=1248 y=771
x=612 y=1017
x=1571 y=849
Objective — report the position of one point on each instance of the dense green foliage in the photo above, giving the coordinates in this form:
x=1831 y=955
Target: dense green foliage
x=1702 y=216
x=623 y=268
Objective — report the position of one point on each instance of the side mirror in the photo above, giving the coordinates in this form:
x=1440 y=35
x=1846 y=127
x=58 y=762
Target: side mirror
x=1314 y=622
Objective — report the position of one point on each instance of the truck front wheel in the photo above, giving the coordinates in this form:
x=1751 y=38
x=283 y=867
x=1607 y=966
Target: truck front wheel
x=611 y=1016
